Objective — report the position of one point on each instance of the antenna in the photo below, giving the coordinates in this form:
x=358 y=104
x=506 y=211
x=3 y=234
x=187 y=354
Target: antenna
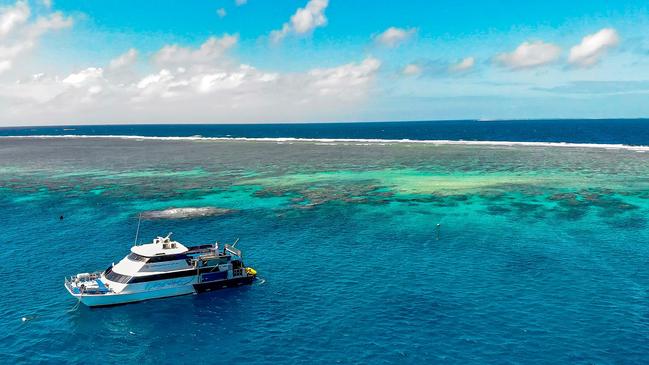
x=137 y=233
x=235 y=242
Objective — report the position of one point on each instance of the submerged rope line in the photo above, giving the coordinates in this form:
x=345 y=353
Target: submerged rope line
x=76 y=306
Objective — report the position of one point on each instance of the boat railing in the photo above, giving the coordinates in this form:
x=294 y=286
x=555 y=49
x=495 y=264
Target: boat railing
x=76 y=284
x=83 y=277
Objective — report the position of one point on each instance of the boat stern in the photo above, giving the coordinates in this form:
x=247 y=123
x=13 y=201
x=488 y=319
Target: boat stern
x=85 y=284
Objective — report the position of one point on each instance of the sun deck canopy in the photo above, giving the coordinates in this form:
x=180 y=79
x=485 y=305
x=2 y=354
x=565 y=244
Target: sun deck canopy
x=159 y=247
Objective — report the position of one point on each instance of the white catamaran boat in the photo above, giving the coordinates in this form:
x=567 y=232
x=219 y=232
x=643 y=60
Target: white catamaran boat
x=163 y=268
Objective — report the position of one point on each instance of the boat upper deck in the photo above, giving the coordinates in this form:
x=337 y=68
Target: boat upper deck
x=161 y=246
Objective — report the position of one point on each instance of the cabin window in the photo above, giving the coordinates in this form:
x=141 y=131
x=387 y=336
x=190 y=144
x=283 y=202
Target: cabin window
x=162 y=258
x=165 y=276
x=135 y=257
x=118 y=278
x=166 y=258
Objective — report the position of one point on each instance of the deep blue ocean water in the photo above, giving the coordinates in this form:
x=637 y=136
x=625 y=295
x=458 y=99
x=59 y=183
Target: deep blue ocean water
x=542 y=256
x=604 y=131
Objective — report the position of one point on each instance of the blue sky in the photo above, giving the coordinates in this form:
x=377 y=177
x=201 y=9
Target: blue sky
x=220 y=61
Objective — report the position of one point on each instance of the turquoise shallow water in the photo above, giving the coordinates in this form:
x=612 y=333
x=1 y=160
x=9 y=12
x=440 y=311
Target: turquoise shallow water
x=541 y=257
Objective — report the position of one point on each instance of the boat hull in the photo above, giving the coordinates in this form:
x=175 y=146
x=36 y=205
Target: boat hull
x=216 y=285
x=103 y=300
x=111 y=299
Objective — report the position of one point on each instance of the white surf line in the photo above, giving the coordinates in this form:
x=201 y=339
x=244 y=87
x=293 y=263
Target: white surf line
x=342 y=140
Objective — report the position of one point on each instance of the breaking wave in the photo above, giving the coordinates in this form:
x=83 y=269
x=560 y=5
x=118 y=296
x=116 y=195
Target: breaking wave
x=345 y=141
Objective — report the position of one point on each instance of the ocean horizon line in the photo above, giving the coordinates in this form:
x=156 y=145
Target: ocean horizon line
x=481 y=120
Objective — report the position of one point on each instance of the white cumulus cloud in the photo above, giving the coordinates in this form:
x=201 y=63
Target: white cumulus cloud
x=592 y=47
x=208 y=52
x=204 y=83
x=240 y=2
x=124 y=60
x=18 y=34
x=82 y=86
x=464 y=65
x=83 y=77
x=345 y=77
x=393 y=36
x=412 y=69
x=13 y=16
x=304 y=20
x=4 y=65
x=54 y=21
x=530 y=55
x=163 y=76
x=438 y=68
